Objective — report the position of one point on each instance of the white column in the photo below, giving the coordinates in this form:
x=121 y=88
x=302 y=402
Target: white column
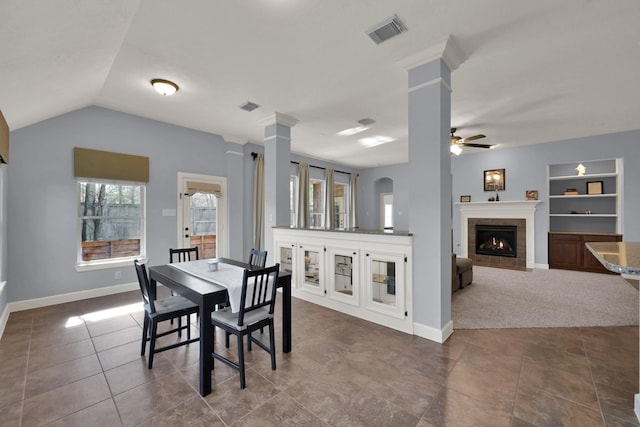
x=429 y=75
x=277 y=158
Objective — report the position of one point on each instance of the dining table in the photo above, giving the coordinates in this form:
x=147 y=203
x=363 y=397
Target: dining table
x=205 y=292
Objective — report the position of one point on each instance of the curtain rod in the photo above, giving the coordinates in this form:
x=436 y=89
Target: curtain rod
x=254 y=155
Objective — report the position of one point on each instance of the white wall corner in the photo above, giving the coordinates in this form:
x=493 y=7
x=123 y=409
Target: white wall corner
x=433 y=334
x=636 y=406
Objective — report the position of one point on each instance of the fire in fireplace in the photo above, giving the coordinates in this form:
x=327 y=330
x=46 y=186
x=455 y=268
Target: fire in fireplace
x=497 y=240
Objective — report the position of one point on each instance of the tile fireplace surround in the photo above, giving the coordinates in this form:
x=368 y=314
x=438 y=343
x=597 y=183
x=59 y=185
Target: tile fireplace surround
x=520 y=213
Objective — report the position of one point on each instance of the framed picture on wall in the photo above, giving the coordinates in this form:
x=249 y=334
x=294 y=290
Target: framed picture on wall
x=465 y=199
x=494 y=180
x=531 y=195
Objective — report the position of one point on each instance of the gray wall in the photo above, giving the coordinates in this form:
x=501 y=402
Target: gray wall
x=42 y=193
x=526 y=169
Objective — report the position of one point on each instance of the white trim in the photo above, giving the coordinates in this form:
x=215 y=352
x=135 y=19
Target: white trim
x=3 y=319
x=118 y=263
x=433 y=82
x=511 y=209
x=446 y=49
x=278 y=118
x=636 y=408
x=269 y=138
x=70 y=297
x=222 y=229
x=433 y=334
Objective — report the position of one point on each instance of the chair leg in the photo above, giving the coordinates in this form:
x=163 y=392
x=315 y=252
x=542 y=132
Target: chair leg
x=188 y=326
x=272 y=346
x=249 y=342
x=241 y=360
x=152 y=343
x=226 y=339
x=145 y=333
x=180 y=326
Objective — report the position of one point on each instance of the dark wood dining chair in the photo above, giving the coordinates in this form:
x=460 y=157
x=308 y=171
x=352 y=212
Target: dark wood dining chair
x=257 y=258
x=183 y=255
x=257 y=305
x=158 y=310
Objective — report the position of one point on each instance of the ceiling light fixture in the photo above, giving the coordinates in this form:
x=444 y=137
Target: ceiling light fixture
x=164 y=87
x=455 y=149
x=375 y=140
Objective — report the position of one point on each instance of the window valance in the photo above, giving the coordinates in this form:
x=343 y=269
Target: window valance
x=194 y=187
x=107 y=165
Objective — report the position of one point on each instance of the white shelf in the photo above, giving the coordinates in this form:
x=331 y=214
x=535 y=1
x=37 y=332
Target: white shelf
x=587 y=215
x=583 y=177
x=578 y=196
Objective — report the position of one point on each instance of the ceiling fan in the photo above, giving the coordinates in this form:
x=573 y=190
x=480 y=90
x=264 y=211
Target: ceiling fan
x=457 y=142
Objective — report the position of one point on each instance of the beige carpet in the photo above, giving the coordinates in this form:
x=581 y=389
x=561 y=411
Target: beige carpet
x=500 y=298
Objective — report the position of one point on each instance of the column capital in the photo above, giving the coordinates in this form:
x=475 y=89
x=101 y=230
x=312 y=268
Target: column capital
x=446 y=49
x=278 y=118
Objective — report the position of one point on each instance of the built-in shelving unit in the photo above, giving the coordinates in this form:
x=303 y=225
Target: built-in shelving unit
x=583 y=207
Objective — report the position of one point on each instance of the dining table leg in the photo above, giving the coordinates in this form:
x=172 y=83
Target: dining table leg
x=286 y=316
x=206 y=346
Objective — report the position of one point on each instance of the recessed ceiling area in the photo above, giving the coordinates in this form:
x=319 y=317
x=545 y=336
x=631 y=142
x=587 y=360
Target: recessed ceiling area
x=534 y=72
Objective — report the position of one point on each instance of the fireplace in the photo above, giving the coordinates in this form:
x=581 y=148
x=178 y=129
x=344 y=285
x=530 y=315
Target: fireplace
x=497 y=240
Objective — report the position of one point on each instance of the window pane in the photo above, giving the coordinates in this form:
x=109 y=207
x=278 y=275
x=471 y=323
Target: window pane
x=339 y=205
x=316 y=203
x=111 y=220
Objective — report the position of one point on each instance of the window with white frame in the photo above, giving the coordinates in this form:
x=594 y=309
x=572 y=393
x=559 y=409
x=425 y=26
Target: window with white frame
x=340 y=204
x=111 y=221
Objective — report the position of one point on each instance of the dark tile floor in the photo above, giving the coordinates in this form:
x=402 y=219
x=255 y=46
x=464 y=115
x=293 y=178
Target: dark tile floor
x=60 y=369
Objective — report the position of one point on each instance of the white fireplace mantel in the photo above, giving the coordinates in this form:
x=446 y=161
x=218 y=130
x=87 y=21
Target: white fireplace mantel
x=524 y=209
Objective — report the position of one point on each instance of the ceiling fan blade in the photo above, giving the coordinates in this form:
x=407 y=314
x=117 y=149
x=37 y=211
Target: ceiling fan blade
x=466 y=144
x=473 y=138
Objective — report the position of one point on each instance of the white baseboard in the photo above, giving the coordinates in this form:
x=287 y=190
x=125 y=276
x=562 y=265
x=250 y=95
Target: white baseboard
x=636 y=408
x=433 y=334
x=70 y=297
x=542 y=266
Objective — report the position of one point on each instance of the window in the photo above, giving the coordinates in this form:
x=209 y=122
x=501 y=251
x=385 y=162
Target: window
x=293 y=201
x=110 y=221
x=340 y=204
x=316 y=203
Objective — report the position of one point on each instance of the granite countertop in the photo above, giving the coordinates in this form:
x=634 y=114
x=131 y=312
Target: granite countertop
x=348 y=230
x=619 y=257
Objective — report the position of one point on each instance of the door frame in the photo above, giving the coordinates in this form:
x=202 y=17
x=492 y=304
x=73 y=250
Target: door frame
x=222 y=211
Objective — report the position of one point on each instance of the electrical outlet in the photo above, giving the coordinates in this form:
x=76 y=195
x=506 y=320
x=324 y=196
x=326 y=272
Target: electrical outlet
x=118 y=274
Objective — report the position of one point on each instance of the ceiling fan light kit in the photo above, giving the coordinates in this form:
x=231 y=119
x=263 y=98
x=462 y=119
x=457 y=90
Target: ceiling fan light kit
x=457 y=143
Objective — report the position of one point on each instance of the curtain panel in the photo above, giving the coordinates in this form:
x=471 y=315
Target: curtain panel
x=258 y=201
x=303 y=195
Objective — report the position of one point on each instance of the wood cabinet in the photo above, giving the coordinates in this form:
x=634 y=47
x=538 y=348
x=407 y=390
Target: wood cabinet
x=567 y=250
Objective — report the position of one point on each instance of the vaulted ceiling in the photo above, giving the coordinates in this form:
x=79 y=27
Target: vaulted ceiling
x=535 y=71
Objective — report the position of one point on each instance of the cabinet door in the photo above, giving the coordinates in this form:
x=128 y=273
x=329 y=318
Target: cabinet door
x=312 y=268
x=384 y=283
x=286 y=256
x=565 y=251
x=343 y=275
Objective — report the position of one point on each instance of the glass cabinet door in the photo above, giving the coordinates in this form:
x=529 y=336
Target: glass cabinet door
x=311 y=261
x=385 y=283
x=343 y=277
x=286 y=256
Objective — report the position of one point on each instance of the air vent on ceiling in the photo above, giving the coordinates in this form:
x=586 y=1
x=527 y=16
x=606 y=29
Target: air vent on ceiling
x=391 y=27
x=249 y=106
x=366 y=121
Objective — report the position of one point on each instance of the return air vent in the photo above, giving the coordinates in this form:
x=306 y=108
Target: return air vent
x=390 y=27
x=366 y=121
x=249 y=106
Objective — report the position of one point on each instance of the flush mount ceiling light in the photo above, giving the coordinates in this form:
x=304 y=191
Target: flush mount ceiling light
x=164 y=87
